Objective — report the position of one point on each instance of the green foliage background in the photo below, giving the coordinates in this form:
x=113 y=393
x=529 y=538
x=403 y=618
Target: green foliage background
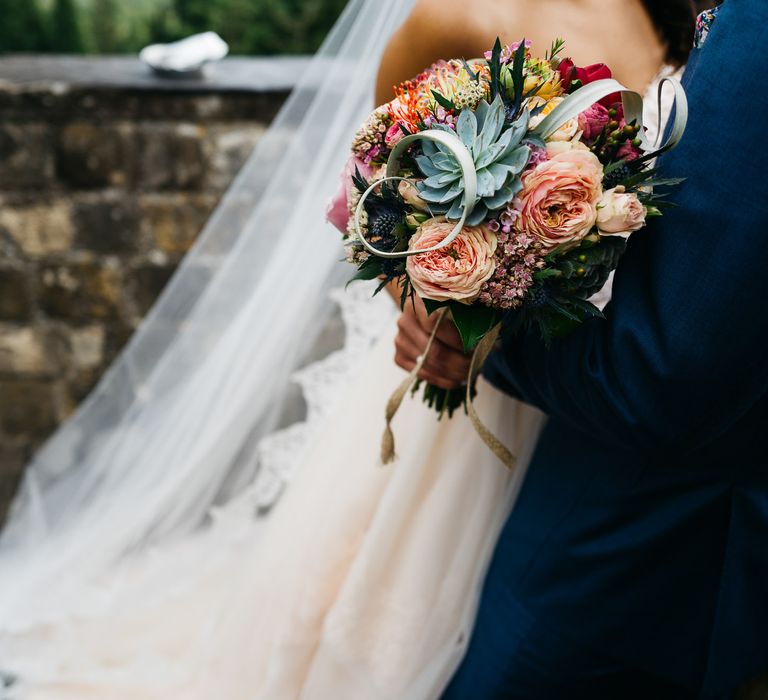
x=125 y=26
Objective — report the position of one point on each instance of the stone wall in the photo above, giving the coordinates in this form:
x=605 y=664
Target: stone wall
x=107 y=176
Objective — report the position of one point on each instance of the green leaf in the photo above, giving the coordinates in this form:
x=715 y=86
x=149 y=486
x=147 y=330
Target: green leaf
x=495 y=68
x=443 y=101
x=546 y=273
x=468 y=68
x=431 y=306
x=555 y=49
x=369 y=270
x=407 y=291
x=473 y=322
x=518 y=69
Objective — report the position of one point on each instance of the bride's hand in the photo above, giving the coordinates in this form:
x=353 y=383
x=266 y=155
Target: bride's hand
x=446 y=365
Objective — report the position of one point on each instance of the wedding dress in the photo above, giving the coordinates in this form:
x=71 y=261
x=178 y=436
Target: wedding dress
x=362 y=582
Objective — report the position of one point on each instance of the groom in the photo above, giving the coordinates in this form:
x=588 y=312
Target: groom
x=635 y=564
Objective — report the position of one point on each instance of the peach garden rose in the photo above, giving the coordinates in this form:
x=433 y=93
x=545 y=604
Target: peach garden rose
x=456 y=272
x=558 y=203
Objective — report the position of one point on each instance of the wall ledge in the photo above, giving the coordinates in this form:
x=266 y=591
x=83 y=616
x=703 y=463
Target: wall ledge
x=59 y=74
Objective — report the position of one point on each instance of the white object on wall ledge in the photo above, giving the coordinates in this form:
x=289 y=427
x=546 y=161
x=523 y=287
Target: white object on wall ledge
x=185 y=57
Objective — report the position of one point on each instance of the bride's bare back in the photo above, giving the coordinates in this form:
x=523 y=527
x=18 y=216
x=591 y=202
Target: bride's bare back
x=617 y=32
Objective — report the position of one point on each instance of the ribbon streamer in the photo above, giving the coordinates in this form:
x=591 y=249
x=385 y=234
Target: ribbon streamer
x=479 y=356
x=396 y=400
x=585 y=97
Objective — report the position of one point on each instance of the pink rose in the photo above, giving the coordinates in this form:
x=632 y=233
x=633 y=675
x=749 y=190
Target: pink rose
x=337 y=212
x=456 y=272
x=620 y=212
x=593 y=120
x=558 y=203
x=394 y=135
x=628 y=152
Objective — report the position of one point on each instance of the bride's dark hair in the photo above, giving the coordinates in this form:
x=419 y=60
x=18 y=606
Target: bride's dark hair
x=675 y=21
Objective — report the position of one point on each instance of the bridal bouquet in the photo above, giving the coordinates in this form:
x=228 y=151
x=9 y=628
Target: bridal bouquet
x=502 y=188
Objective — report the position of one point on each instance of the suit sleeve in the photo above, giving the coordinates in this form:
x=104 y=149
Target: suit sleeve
x=682 y=355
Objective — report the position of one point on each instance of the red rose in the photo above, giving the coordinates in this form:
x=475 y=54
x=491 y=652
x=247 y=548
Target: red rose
x=597 y=71
x=567 y=70
x=589 y=74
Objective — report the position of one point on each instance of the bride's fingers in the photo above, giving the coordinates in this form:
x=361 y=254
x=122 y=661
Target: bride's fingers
x=443 y=366
x=449 y=335
x=444 y=379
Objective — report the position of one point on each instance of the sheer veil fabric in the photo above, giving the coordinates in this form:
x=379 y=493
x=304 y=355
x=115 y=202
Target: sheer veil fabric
x=170 y=429
x=137 y=562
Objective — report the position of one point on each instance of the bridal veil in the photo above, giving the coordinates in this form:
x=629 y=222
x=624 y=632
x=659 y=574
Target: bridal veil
x=177 y=424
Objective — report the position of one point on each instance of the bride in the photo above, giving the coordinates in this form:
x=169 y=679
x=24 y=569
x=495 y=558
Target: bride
x=184 y=536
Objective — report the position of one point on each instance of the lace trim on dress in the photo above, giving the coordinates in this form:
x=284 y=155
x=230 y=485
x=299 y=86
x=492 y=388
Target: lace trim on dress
x=279 y=454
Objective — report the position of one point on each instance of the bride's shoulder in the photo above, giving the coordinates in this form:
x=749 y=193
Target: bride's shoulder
x=434 y=30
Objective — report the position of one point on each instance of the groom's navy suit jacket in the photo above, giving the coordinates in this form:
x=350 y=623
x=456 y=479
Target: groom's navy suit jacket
x=640 y=538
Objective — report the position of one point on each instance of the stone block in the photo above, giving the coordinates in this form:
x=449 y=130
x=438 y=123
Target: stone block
x=26 y=351
x=117 y=335
x=171 y=157
x=107 y=225
x=92 y=155
x=26 y=156
x=173 y=221
x=27 y=407
x=15 y=300
x=81 y=291
x=38 y=229
x=149 y=280
x=80 y=385
x=86 y=347
x=230 y=147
